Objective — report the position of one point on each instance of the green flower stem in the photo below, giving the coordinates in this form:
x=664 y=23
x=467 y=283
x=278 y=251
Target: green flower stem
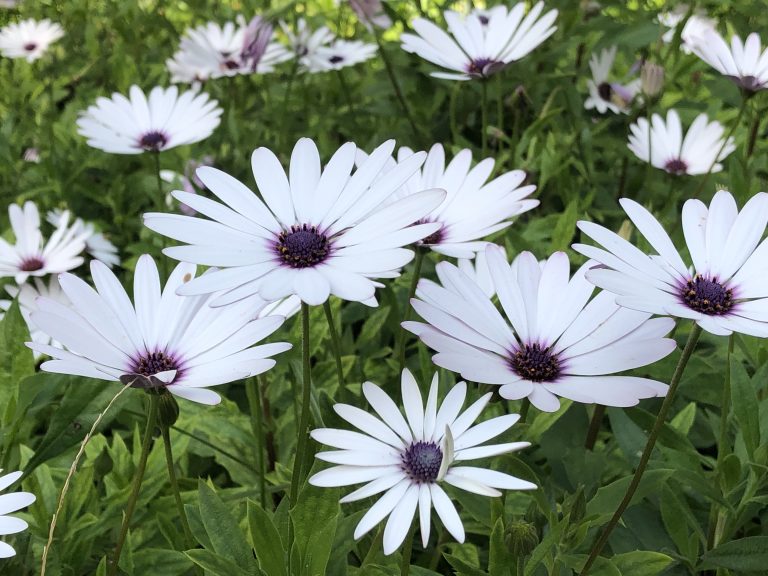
x=336 y=343
x=302 y=432
x=735 y=125
x=484 y=111
x=594 y=426
x=130 y=507
x=405 y=562
x=418 y=261
x=253 y=392
x=715 y=516
x=525 y=406
x=690 y=345
x=190 y=540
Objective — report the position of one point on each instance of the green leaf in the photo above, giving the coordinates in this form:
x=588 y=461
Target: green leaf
x=746 y=554
x=499 y=558
x=462 y=567
x=16 y=359
x=215 y=564
x=266 y=540
x=314 y=519
x=565 y=226
x=745 y=406
x=641 y=563
x=608 y=497
x=227 y=540
x=160 y=561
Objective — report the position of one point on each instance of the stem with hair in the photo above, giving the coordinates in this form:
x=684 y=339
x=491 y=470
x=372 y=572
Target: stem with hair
x=690 y=345
x=484 y=111
x=407 y=314
x=525 y=406
x=190 y=540
x=405 y=562
x=253 y=393
x=594 y=426
x=336 y=343
x=133 y=498
x=303 y=427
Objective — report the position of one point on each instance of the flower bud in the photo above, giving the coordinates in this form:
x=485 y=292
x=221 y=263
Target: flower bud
x=521 y=538
x=651 y=79
x=168 y=409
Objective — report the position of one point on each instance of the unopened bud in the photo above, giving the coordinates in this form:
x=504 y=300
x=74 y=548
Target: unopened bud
x=168 y=409
x=521 y=538
x=625 y=231
x=651 y=79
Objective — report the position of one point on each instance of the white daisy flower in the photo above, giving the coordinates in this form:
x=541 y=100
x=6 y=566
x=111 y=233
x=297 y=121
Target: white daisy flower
x=8 y=3
x=316 y=233
x=559 y=343
x=163 y=121
x=479 y=271
x=473 y=207
x=10 y=503
x=188 y=181
x=31 y=255
x=699 y=152
x=162 y=341
x=408 y=458
x=482 y=43
x=339 y=54
x=28 y=39
x=96 y=244
x=605 y=95
x=207 y=51
x=746 y=64
x=695 y=27
x=304 y=42
x=28 y=294
x=725 y=290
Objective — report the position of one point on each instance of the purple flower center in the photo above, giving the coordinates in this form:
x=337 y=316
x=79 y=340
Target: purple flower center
x=31 y=264
x=483 y=19
x=153 y=141
x=707 y=295
x=534 y=363
x=143 y=369
x=482 y=66
x=30 y=46
x=748 y=83
x=436 y=237
x=303 y=246
x=422 y=460
x=335 y=59
x=676 y=166
x=605 y=91
x=231 y=64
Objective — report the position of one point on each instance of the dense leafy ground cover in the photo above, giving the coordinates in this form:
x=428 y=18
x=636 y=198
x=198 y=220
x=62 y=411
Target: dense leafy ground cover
x=700 y=505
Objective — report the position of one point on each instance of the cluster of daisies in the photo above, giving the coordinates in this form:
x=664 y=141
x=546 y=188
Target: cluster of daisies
x=347 y=227
x=661 y=142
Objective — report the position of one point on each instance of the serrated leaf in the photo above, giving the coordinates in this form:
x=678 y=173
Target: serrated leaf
x=745 y=406
x=266 y=541
x=642 y=563
x=747 y=554
x=215 y=564
x=314 y=519
x=227 y=539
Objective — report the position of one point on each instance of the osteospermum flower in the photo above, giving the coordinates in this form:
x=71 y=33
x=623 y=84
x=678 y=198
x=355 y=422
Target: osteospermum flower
x=28 y=39
x=724 y=292
x=479 y=272
x=188 y=181
x=162 y=121
x=605 y=95
x=474 y=207
x=163 y=341
x=482 y=43
x=745 y=63
x=27 y=295
x=409 y=458
x=317 y=232
x=552 y=339
x=96 y=244
x=699 y=152
x=31 y=255
x=304 y=42
x=339 y=54
x=695 y=27
x=10 y=503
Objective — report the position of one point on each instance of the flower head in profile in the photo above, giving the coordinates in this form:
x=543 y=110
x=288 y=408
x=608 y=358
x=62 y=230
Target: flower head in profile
x=694 y=28
x=137 y=124
x=339 y=54
x=699 y=152
x=605 y=95
x=27 y=295
x=188 y=181
x=304 y=42
x=725 y=290
x=745 y=63
x=474 y=206
x=28 y=39
x=481 y=43
x=551 y=341
x=10 y=503
x=160 y=342
x=314 y=232
x=31 y=255
x=96 y=244
x=408 y=458
x=371 y=13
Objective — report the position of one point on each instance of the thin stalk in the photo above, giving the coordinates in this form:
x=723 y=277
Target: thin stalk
x=753 y=134
x=70 y=475
x=190 y=540
x=407 y=314
x=375 y=546
x=137 y=478
x=690 y=345
x=594 y=426
x=524 y=408
x=735 y=125
x=253 y=393
x=405 y=563
x=722 y=443
x=484 y=105
x=347 y=95
x=159 y=180
x=396 y=85
x=302 y=433
x=452 y=112
x=336 y=343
